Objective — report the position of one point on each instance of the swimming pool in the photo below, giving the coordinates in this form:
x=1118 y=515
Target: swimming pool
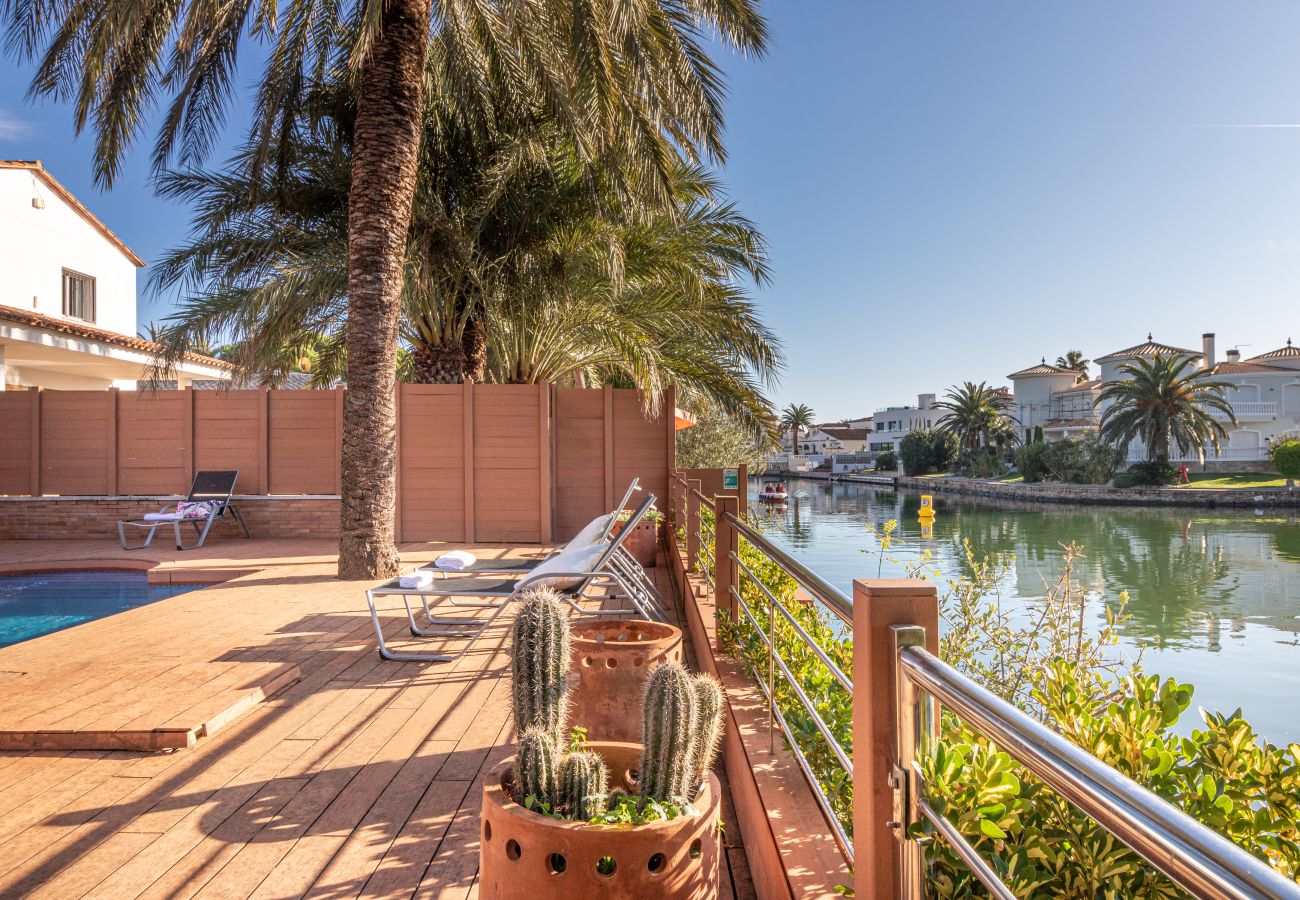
x=33 y=605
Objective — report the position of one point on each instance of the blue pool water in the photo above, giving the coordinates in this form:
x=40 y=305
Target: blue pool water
x=33 y=605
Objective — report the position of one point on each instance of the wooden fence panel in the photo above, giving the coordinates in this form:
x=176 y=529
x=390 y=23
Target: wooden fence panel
x=511 y=447
x=580 y=455
x=711 y=484
x=18 y=412
x=431 y=459
x=303 y=442
x=230 y=433
x=78 y=445
x=642 y=445
x=154 y=442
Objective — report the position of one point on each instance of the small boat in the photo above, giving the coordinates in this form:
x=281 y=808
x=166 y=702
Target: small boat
x=773 y=493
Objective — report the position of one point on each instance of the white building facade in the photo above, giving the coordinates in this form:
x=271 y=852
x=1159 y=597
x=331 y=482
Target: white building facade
x=891 y=424
x=1264 y=393
x=68 y=296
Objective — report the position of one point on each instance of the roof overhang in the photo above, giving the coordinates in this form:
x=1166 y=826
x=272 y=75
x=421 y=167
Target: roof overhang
x=40 y=172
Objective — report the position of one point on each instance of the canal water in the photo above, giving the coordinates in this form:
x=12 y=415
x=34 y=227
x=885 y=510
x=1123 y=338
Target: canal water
x=1214 y=595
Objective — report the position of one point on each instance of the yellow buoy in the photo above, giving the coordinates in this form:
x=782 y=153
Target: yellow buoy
x=927 y=507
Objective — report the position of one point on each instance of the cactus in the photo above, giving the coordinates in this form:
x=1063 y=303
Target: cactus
x=669 y=731
x=583 y=785
x=708 y=698
x=539 y=663
x=536 y=765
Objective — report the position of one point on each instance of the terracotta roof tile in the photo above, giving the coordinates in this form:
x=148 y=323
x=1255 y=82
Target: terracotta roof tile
x=1043 y=368
x=63 y=326
x=1150 y=348
x=1287 y=352
x=1246 y=368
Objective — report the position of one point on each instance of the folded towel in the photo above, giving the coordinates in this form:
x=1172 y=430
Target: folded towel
x=162 y=517
x=456 y=560
x=420 y=578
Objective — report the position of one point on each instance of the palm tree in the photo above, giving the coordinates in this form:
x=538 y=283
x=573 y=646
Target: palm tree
x=1075 y=360
x=574 y=285
x=627 y=87
x=1165 y=402
x=795 y=418
x=977 y=415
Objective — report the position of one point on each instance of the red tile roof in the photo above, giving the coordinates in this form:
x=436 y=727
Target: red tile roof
x=38 y=170
x=1042 y=368
x=1081 y=386
x=63 y=326
x=1247 y=368
x=1150 y=348
x=1287 y=352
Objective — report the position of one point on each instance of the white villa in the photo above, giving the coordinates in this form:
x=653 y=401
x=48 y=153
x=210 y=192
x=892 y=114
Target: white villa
x=68 y=297
x=892 y=423
x=1265 y=396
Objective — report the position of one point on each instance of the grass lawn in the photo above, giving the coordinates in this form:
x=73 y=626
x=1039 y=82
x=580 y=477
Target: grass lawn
x=1236 y=480
x=1012 y=478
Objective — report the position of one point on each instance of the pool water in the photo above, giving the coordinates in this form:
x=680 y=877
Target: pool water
x=33 y=605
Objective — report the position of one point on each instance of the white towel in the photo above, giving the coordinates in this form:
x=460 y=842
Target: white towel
x=456 y=560
x=162 y=517
x=420 y=578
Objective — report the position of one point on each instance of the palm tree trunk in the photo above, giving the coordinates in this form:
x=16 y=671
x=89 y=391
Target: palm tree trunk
x=439 y=364
x=386 y=149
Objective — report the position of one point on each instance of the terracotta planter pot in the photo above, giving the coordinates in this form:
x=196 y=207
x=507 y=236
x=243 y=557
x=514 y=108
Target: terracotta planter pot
x=527 y=856
x=642 y=543
x=611 y=662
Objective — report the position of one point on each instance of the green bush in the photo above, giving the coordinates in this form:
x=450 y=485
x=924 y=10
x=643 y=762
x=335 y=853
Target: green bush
x=1152 y=473
x=1286 y=459
x=925 y=451
x=1030 y=462
x=980 y=462
x=886 y=462
x=1049 y=666
x=1084 y=460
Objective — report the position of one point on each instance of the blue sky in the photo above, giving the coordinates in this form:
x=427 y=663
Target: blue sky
x=952 y=190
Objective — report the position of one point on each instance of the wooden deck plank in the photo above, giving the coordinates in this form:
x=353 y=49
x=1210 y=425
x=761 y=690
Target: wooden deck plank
x=362 y=777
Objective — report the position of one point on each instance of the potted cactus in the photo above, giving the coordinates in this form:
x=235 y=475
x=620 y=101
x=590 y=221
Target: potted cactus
x=574 y=819
x=610 y=664
x=643 y=542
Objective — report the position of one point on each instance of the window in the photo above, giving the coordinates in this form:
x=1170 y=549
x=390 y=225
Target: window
x=78 y=296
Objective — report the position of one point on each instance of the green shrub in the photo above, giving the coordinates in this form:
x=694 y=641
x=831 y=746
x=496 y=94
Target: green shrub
x=1030 y=463
x=1286 y=459
x=1049 y=666
x=1152 y=473
x=1083 y=460
x=926 y=451
x=886 y=462
x=980 y=462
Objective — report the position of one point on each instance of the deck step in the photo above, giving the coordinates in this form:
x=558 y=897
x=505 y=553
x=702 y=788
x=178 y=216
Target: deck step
x=156 y=707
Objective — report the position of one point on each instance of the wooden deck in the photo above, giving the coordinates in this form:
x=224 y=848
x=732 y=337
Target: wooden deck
x=358 y=778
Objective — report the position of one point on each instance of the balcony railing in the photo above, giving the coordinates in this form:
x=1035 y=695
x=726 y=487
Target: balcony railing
x=1249 y=410
x=900 y=681
x=1238 y=454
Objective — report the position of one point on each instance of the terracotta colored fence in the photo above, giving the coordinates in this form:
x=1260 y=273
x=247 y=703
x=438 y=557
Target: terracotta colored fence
x=475 y=462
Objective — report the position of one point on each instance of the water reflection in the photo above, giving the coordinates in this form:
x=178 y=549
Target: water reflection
x=1214 y=596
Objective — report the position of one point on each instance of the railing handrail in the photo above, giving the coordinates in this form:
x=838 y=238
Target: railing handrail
x=831 y=597
x=1192 y=855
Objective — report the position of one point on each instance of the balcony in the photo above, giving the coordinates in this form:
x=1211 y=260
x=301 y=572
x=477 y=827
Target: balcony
x=1250 y=411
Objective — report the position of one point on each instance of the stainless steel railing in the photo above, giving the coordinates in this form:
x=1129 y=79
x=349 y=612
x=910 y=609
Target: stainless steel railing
x=778 y=667
x=1193 y=856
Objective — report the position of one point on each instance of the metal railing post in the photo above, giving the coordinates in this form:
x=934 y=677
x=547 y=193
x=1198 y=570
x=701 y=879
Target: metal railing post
x=881 y=850
x=726 y=545
x=692 y=525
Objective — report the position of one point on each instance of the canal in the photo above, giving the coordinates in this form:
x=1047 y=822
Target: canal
x=1214 y=595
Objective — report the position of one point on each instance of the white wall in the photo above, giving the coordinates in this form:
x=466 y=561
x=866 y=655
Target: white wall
x=36 y=245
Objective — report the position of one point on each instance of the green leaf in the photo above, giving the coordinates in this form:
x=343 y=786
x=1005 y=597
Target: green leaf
x=991 y=829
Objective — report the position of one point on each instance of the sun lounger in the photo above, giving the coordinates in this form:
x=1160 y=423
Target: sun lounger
x=595 y=532
x=209 y=499
x=573 y=573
